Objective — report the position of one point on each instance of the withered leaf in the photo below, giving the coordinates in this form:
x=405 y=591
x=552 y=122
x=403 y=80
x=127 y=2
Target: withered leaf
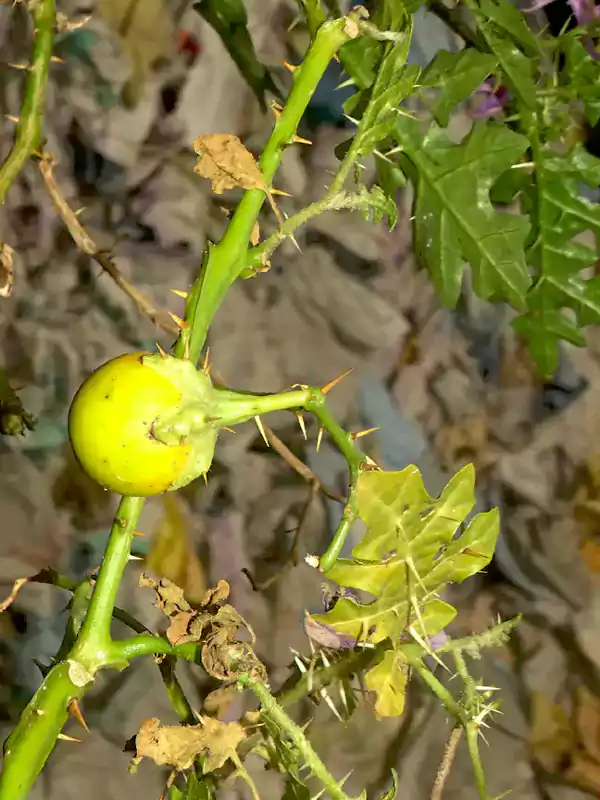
x=179 y=746
x=6 y=270
x=170 y=599
x=223 y=159
x=217 y=703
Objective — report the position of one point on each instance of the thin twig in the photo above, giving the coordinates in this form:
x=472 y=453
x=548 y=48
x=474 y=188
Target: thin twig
x=29 y=127
x=299 y=466
x=88 y=246
x=446 y=764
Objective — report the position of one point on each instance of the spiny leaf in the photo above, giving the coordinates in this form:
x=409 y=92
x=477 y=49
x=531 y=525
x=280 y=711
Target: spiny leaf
x=560 y=215
x=457 y=76
x=408 y=554
x=230 y=21
x=374 y=205
x=388 y=681
x=584 y=75
x=454 y=218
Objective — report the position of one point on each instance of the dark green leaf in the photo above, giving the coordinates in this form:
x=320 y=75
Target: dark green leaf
x=455 y=221
x=507 y=16
x=457 y=76
x=230 y=21
x=543 y=331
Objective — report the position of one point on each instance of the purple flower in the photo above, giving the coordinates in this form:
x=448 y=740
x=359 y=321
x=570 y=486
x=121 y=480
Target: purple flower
x=585 y=12
x=495 y=98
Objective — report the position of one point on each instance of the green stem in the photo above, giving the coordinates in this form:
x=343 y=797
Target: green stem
x=356 y=461
x=27 y=748
x=472 y=732
x=93 y=646
x=309 y=757
x=350 y=663
x=414 y=656
x=175 y=693
x=232 y=408
x=29 y=127
x=258 y=256
x=146 y=644
x=224 y=262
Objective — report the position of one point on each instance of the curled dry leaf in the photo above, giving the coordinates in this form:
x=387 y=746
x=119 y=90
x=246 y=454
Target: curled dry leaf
x=223 y=159
x=179 y=746
x=6 y=270
x=214 y=624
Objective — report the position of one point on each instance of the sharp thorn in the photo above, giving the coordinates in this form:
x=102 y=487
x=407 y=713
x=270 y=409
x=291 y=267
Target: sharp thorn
x=19 y=66
x=302 y=425
x=206 y=364
x=79 y=210
x=294 y=241
x=260 y=427
x=134 y=558
x=204 y=475
x=300 y=140
x=319 y=438
x=57 y=59
x=329 y=386
x=11 y=118
x=161 y=351
x=179 y=293
x=280 y=192
x=139 y=533
x=291 y=67
x=225 y=428
x=181 y=324
x=75 y=711
x=66 y=738
x=364 y=433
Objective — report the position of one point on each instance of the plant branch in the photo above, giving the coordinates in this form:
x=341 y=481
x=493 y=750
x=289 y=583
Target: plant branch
x=27 y=748
x=93 y=643
x=446 y=764
x=88 y=246
x=224 y=262
x=357 y=462
x=277 y=715
x=29 y=127
x=147 y=644
x=258 y=257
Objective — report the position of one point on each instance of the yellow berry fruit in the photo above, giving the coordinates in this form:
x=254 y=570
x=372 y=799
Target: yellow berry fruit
x=110 y=427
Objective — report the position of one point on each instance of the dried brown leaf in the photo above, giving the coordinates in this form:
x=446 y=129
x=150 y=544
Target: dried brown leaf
x=223 y=159
x=179 y=746
x=6 y=270
x=217 y=703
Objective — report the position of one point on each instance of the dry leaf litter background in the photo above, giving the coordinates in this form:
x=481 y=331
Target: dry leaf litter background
x=443 y=388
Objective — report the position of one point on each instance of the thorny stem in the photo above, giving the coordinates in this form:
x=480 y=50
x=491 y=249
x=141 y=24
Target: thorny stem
x=356 y=460
x=258 y=256
x=472 y=733
x=93 y=646
x=446 y=763
x=277 y=715
x=225 y=261
x=29 y=127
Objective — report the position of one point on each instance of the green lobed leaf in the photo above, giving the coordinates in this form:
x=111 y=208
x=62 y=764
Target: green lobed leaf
x=388 y=680
x=543 y=329
x=510 y=19
x=561 y=214
x=408 y=554
x=230 y=21
x=583 y=75
x=374 y=205
x=457 y=76
x=455 y=221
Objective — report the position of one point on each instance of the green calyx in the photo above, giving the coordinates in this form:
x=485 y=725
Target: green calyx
x=203 y=409
x=192 y=420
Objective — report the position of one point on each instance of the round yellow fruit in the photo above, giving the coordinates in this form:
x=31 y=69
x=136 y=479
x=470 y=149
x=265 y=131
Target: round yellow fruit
x=110 y=427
